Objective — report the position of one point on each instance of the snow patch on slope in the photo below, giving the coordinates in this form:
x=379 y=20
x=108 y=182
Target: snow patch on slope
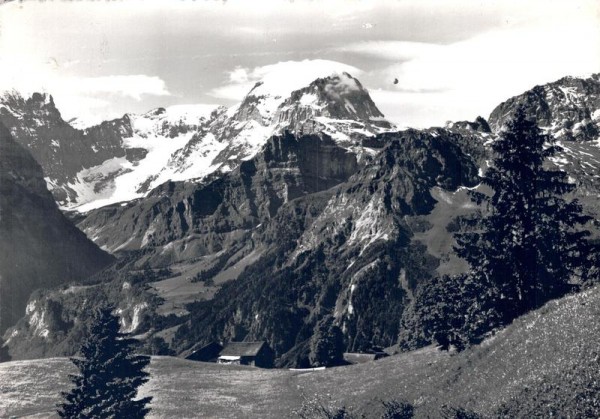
x=198 y=163
x=130 y=323
x=156 y=133
x=124 y=178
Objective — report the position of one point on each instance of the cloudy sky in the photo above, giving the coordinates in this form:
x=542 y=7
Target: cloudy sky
x=453 y=59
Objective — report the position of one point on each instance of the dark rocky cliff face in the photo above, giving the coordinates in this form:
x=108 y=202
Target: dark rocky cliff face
x=195 y=219
x=349 y=252
x=569 y=111
x=331 y=239
x=567 y=108
x=60 y=149
x=39 y=247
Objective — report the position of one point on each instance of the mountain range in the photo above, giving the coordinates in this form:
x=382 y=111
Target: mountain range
x=125 y=158
x=259 y=221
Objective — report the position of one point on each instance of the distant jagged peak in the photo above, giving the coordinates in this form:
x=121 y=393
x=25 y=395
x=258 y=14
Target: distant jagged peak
x=338 y=96
x=341 y=81
x=180 y=113
x=280 y=82
x=332 y=88
x=162 y=120
x=281 y=79
x=572 y=80
x=159 y=121
x=18 y=105
x=185 y=114
x=335 y=102
x=567 y=109
x=14 y=97
x=41 y=99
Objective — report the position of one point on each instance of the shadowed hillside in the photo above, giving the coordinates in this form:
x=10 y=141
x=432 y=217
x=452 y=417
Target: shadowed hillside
x=39 y=247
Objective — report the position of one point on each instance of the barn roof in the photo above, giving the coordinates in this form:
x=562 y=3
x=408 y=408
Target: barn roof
x=242 y=348
x=199 y=347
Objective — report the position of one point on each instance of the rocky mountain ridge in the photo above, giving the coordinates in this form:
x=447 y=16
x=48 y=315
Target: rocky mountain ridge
x=123 y=159
x=569 y=111
x=61 y=150
x=177 y=216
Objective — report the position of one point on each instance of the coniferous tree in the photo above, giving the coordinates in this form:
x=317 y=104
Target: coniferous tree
x=327 y=344
x=451 y=311
x=531 y=245
x=4 y=354
x=109 y=375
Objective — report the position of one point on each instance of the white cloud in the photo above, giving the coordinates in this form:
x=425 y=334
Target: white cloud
x=239 y=75
x=76 y=96
x=279 y=79
x=133 y=86
x=422 y=110
x=520 y=44
x=391 y=50
x=88 y=110
x=233 y=91
x=437 y=83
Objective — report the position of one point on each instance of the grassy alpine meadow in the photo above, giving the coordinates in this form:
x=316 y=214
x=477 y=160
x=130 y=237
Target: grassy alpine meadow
x=542 y=363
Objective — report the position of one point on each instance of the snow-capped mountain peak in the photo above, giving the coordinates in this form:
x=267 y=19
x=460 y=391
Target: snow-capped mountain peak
x=285 y=77
x=334 y=95
x=138 y=152
x=336 y=104
x=329 y=103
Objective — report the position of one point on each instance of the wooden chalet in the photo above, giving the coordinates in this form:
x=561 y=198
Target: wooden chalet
x=257 y=354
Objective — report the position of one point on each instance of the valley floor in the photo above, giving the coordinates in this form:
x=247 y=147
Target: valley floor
x=544 y=362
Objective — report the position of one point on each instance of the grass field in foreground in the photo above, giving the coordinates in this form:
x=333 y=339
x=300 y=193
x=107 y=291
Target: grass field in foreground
x=535 y=352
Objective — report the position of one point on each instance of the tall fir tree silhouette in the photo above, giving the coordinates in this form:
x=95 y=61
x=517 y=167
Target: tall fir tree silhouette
x=109 y=377
x=327 y=344
x=532 y=245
